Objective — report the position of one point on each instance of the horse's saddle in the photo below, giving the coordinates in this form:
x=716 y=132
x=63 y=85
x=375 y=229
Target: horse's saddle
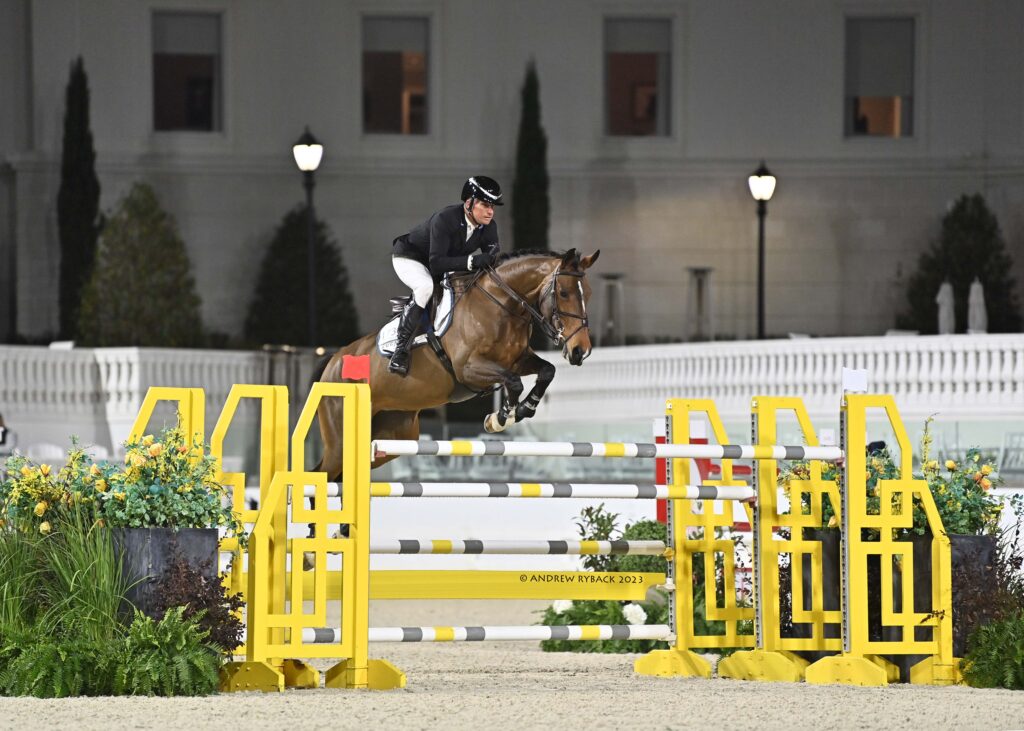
x=442 y=307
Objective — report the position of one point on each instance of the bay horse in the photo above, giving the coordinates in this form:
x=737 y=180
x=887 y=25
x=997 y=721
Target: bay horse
x=488 y=343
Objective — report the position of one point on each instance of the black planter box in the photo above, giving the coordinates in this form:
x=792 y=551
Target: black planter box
x=147 y=552
x=971 y=556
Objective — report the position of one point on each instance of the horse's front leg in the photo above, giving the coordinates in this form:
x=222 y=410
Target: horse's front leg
x=529 y=364
x=512 y=389
x=481 y=373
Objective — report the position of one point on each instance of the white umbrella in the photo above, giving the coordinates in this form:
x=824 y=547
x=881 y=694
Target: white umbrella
x=977 y=317
x=944 y=299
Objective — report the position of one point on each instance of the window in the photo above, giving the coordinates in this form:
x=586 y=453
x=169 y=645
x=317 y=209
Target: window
x=395 y=75
x=638 y=55
x=879 y=77
x=186 y=72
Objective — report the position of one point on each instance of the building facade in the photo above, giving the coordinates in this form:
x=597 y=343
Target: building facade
x=874 y=116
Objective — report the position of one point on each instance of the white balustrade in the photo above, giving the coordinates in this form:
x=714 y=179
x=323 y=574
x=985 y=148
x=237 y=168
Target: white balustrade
x=970 y=377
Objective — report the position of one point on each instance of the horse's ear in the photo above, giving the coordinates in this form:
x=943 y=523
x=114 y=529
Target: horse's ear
x=588 y=261
x=569 y=258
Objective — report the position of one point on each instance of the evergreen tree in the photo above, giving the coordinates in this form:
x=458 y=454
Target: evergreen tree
x=141 y=291
x=531 y=210
x=969 y=246
x=279 y=310
x=77 y=201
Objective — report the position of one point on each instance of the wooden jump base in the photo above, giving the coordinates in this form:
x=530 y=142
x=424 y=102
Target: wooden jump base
x=277 y=623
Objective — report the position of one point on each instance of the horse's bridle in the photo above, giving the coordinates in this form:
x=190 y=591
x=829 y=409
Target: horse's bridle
x=555 y=329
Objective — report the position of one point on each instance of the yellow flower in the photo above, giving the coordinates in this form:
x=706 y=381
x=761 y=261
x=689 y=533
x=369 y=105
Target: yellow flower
x=977 y=457
x=874 y=491
x=867 y=475
x=156 y=449
x=45 y=527
x=94 y=470
x=44 y=470
x=26 y=471
x=41 y=507
x=147 y=440
x=950 y=465
x=101 y=485
x=978 y=476
x=932 y=465
x=135 y=459
x=833 y=522
x=986 y=483
x=986 y=469
x=119 y=495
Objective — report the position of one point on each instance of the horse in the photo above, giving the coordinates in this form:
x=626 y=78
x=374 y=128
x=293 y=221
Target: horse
x=487 y=343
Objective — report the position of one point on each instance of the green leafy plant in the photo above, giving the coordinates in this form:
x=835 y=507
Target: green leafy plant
x=166 y=481
x=57 y=667
x=167 y=657
x=597 y=524
x=996 y=655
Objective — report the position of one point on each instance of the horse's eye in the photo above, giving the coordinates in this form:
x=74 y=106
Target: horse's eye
x=563 y=294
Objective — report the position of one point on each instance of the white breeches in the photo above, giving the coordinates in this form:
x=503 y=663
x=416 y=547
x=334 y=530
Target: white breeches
x=416 y=277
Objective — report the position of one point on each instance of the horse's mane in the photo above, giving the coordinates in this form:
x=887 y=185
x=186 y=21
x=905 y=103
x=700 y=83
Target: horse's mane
x=519 y=253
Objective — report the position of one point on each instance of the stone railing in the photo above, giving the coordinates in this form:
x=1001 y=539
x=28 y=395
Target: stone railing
x=47 y=395
x=963 y=376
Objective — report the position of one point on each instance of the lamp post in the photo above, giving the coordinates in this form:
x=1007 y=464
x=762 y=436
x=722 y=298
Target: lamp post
x=308 y=152
x=762 y=187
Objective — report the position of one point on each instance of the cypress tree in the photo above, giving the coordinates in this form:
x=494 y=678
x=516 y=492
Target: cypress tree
x=970 y=245
x=279 y=310
x=531 y=210
x=77 y=201
x=141 y=291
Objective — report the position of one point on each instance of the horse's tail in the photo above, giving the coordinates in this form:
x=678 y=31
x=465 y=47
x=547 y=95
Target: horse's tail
x=318 y=370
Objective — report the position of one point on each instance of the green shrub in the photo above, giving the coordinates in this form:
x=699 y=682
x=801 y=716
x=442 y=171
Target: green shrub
x=57 y=668
x=996 y=655
x=168 y=658
x=141 y=291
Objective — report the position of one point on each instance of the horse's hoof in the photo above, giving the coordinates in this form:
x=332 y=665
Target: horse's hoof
x=493 y=426
x=308 y=561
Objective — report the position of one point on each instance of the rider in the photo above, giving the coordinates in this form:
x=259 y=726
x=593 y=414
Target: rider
x=443 y=243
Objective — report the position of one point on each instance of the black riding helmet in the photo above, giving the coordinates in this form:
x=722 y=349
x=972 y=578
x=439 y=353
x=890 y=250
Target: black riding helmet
x=483 y=189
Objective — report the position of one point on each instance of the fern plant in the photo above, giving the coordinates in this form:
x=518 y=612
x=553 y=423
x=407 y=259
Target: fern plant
x=996 y=655
x=58 y=668
x=168 y=658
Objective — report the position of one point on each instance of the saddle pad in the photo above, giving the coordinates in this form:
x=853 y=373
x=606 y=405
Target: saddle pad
x=442 y=321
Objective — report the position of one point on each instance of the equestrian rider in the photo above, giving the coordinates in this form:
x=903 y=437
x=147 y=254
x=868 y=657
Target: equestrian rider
x=444 y=243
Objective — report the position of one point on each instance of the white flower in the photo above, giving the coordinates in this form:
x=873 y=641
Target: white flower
x=561 y=606
x=634 y=614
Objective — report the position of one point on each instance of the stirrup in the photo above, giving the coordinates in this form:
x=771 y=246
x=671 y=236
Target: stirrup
x=399 y=365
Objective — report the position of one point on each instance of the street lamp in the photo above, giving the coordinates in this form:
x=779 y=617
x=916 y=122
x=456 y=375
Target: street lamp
x=308 y=152
x=762 y=187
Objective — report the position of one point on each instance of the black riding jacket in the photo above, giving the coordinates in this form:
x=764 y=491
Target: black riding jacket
x=440 y=244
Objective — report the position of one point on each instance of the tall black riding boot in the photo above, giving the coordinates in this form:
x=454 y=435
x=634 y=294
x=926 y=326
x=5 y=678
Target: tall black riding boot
x=406 y=329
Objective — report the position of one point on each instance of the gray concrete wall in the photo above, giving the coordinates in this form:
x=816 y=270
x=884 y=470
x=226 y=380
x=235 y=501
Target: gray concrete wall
x=749 y=81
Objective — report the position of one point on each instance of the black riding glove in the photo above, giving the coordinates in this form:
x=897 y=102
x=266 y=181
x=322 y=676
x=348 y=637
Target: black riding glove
x=480 y=261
